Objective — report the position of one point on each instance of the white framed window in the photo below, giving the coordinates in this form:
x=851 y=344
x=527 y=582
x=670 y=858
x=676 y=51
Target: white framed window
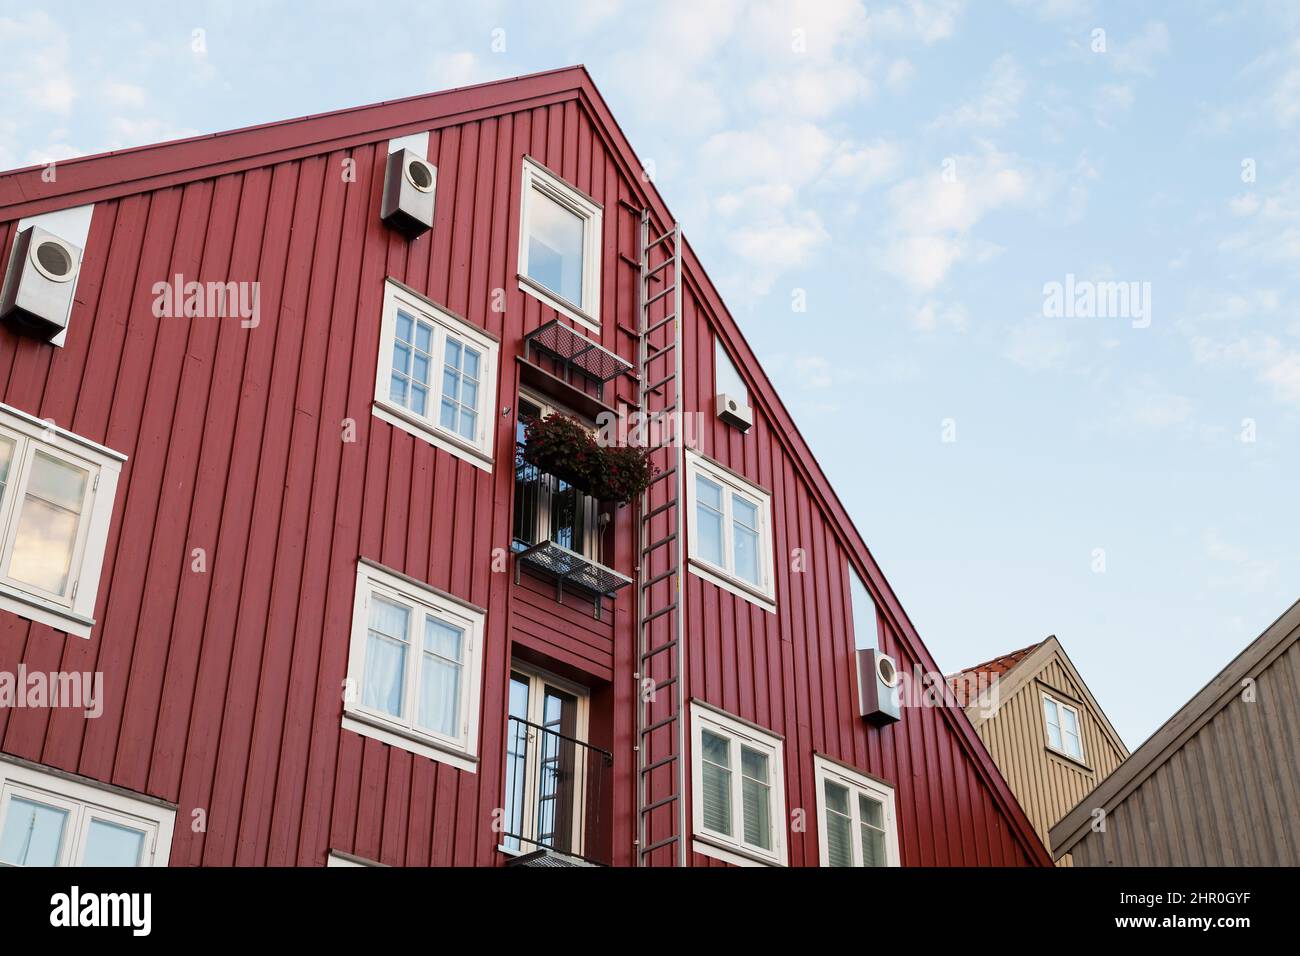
x=547 y=508
x=437 y=376
x=737 y=789
x=549 y=770
x=49 y=820
x=559 y=245
x=56 y=503
x=866 y=619
x=856 y=822
x=1063 y=734
x=730 y=528
x=415 y=667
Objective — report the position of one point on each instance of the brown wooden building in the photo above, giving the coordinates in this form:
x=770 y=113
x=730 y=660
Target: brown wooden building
x=1218 y=784
x=1045 y=730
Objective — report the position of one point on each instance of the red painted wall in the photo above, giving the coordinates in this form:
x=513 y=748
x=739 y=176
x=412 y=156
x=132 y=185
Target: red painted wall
x=223 y=689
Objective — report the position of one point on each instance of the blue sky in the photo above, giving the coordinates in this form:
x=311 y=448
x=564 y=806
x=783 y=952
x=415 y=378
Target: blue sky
x=917 y=170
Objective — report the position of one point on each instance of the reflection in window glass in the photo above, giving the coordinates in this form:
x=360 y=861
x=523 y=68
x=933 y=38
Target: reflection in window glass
x=46 y=538
x=745 y=538
x=111 y=844
x=709 y=518
x=555 y=247
x=33 y=833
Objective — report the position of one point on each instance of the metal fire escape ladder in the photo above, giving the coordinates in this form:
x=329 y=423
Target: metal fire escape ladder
x=661 y=591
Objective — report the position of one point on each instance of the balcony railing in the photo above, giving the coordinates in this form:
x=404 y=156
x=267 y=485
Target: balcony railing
x=557 y=788
x=558 y=532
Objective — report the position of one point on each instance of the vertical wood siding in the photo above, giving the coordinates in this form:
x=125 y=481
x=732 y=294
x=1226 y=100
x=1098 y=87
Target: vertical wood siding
x=223 y=688
x=1226 y=797
x=1047 y=785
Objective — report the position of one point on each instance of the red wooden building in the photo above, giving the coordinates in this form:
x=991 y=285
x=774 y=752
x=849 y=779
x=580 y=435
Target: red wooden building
x=261 y=413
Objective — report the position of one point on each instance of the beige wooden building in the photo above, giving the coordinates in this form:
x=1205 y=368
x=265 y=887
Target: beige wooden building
x=1043 y=727
x=1217 y=785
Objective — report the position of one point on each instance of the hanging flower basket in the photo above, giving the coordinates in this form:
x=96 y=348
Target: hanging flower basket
x=566 y=448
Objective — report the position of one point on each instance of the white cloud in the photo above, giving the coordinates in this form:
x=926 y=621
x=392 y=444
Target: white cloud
x=461 y=68
x=34 y=63
x=1038 y=344
x=926 y=20
x=997 y=102
x=933 y=217
x=899 y=74
x=1275 y=364
x=123 y=94
x=1139 y=54
x=933 y=316
x=1148 y=405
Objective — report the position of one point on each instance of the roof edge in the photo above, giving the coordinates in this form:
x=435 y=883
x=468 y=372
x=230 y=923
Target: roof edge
x=1174 y=732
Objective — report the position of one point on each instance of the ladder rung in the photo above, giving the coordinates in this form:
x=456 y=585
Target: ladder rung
x=659 y=803
x=658 y=724
x=663 y=474
x=667 y=262
x=658 y=650
x=659 y=354
x=657 y=578
x=662 y=761
x=666 y=235
x=661 y=323
x=658 y=846
x=663 y=381
x=671 y=503
x=660 y=543
x=659 y=613
x=660 y=294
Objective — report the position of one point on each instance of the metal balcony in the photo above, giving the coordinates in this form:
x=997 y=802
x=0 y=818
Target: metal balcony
x=556 y=792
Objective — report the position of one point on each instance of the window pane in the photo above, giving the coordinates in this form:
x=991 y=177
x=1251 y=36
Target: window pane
x=47 y=528
x=866 y=627
x=516 y=761
x=746 y=544
x=6 y=456
x=440 y=677
x=440 y=696
x=1069 y=721
x=1054 y=736
x=385 y=667
x=839 y=826
x=33 y=833
x=757 y=798
x=111 y=844
x=1073 y=747
x=871 y=812
x=555 y=247
x=716 y=782
x=873 y=846
x=708 y=520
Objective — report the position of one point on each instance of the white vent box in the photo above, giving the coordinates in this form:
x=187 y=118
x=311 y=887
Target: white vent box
x=878 y=687
x=735 y=412
x=409 y=185
x=39 y=285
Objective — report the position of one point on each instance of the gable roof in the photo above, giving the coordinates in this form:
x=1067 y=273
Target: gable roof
x=1017 y=668
x=110 y=175
x=1178 y=729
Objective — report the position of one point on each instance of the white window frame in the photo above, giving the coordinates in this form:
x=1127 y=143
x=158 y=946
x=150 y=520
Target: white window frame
x=85 y=802
x=538 y=681
x=763 y=594
x=461 y=750
x=72 y=611
x=722 y=846
x=428 y=428
x=338 y=859
x=590 y=547
x=538 y=180
x=858 y=784
x=1078 y=723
